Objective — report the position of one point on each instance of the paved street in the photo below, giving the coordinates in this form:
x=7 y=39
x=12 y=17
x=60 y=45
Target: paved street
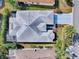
x=76 y=15
x=76 y=24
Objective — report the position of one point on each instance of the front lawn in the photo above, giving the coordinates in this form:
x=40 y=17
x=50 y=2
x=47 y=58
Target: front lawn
x=34 y=7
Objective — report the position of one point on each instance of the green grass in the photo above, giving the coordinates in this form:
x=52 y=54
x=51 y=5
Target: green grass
x=35 y=7
x=39 y=7
x=36 y=45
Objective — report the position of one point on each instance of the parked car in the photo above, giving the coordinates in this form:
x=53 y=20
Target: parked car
x=1 y=3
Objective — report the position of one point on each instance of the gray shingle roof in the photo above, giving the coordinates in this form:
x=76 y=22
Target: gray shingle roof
x=27 y=26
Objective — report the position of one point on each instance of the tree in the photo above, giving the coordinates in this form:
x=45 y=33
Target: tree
x=69 y=3
x=69 y=31
x=60 y=49
x=12 y=2
x=64 y=7
x=4 y=47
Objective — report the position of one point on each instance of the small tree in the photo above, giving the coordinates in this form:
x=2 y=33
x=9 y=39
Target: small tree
x=69 y=31
x=12 y=2
x=60 y=49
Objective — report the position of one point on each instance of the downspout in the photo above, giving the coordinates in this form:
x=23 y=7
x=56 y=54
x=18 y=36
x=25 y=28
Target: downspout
x=55 y=20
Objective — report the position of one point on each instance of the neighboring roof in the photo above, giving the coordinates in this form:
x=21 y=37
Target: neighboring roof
x=38 y=1
x=65 y=18
x=1 y=3
x=29 y=26
x=33 y=54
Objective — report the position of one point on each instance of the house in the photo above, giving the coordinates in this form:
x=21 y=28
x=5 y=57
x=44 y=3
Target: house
x=32 y=53
x=36 y=26
x=31 y=26
x=38 y=2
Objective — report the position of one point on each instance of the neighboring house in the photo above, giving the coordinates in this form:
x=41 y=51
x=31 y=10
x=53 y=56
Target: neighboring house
x=36 y=26
x=32 y=53
x=39 y=2
x=1 y=3
x=32 y=26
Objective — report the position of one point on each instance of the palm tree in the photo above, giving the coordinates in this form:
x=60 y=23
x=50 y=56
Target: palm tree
x=60 y=49
x=69 y=31
x=63 y=6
